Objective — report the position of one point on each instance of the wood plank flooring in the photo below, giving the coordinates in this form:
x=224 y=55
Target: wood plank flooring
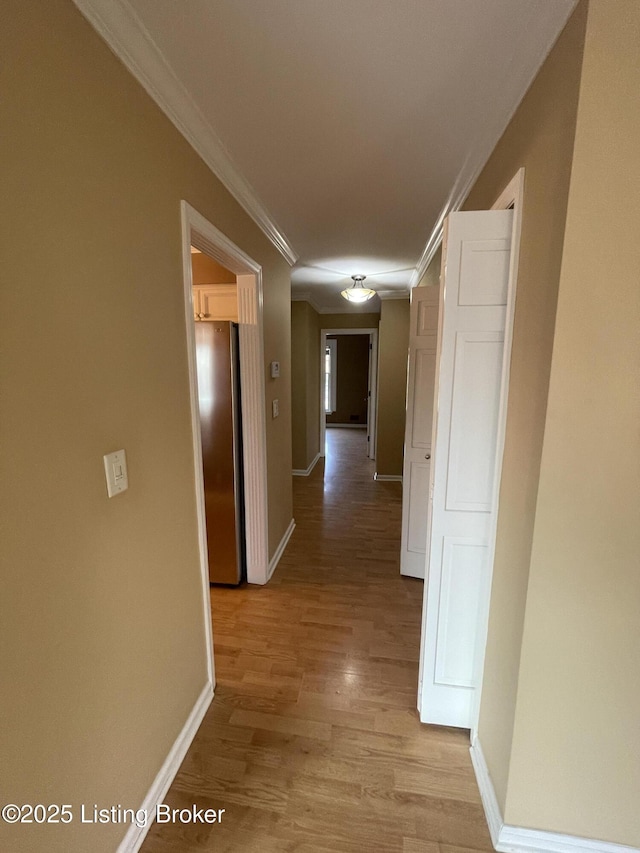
x=312 y=743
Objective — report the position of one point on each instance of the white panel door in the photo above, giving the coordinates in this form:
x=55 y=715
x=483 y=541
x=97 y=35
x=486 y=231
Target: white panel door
x=471 y=334
x=423 y=320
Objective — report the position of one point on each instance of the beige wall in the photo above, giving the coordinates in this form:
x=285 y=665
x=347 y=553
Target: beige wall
x=305 y=384
x=352 y=380
x=348 y=321
x=102 y=638
x=540 y=137
x=431 y=277
x=576 y=747
x=207 y=271
x=392 y=385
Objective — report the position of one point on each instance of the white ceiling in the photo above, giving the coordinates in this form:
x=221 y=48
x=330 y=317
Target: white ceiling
x=347 y=128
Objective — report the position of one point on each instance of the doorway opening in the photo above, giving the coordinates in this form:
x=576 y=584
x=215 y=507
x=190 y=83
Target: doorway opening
x=349 y=383
x=215 y=302
x=199 y=233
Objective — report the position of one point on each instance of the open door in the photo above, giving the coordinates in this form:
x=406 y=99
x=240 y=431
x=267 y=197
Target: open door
x=423 y=330
x=469 y=371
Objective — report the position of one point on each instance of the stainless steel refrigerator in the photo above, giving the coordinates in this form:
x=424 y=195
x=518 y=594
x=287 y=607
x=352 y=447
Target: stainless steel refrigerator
x=219 y=400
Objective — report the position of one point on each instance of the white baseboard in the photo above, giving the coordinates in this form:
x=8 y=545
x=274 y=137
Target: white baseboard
x=518 y=839
x=487 y=792
x=135 y=835
x=388 y=478
x=280 y=549
x=304 y=472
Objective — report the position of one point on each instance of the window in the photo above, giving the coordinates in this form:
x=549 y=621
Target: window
x=330 y=371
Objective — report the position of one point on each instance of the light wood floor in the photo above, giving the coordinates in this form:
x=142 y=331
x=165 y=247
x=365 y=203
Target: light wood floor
x=312 y=743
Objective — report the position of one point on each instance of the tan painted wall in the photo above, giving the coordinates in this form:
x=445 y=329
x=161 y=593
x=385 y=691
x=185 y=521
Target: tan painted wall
x=207 y=271
x=576 y=746
x=305 y=384
x=392 y=385
x=431 y=278
x=102 y=645
x=352 y=380
x=348 y=321
x=540 y=138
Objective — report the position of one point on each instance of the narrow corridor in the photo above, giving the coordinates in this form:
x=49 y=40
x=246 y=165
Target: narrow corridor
x=312 y=743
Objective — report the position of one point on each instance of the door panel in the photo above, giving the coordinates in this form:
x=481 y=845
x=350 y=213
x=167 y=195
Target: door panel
x=469 y=360
x=474 y=414
x=423 y=321
x=417 y=489
x=424 y=371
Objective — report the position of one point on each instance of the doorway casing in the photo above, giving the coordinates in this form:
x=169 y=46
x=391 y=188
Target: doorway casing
x=200 y=233
x=372 y=408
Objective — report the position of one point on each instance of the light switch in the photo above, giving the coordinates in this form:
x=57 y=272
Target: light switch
x=115 y=469
x=275 y=409
x=275 y=370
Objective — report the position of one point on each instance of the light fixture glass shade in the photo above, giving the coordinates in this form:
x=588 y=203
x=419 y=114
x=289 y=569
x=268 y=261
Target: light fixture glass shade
x=357 y=293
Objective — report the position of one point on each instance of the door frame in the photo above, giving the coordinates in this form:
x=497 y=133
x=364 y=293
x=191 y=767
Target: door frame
x=372 y=409
x=511 y=197
x=200 y=233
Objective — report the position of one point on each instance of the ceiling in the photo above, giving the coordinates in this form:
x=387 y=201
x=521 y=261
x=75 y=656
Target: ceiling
x=346 y=128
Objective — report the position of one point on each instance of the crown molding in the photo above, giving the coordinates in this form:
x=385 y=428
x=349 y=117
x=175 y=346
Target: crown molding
x=431 y=248
x=306 y=297
x=121 y=28
x=393 y=294
x=481 y=151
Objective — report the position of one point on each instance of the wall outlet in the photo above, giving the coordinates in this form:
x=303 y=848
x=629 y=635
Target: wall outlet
x=275 y=409
x=275 y=369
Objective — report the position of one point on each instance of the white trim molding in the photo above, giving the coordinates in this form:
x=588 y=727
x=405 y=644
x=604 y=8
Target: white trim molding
x=281 y=548
x=304 y=472
x=199 y=232
x=393 y=294
x=306 y=297
x=135 y=835
x=487 y=792
x=480 y=150
x=388 y=478
x=121 y=28
x=518 y=839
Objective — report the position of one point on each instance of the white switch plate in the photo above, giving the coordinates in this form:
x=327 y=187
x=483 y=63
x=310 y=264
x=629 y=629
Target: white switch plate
x=275 y=409
x=115 y=469
x=275 y=369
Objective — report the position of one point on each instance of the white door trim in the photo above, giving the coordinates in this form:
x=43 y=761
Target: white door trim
x=372 y=411
x=199 y=232
x=511 y=197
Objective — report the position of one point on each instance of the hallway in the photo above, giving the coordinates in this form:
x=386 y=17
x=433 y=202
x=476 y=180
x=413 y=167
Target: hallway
x=312 y=742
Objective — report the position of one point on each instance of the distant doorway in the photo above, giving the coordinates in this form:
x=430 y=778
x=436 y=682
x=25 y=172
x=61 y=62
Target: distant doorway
x=348 y=383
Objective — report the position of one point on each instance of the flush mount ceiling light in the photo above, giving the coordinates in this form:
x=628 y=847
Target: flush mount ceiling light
x=357 y=293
